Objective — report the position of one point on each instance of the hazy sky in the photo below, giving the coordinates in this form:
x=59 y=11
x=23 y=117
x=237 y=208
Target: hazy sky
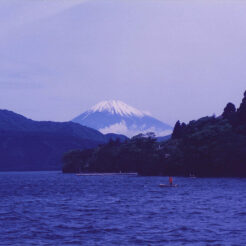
x=175 y=59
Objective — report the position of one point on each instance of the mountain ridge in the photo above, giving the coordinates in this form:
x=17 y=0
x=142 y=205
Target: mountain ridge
x=28 y=145
x=115 y=116
x=116 y=107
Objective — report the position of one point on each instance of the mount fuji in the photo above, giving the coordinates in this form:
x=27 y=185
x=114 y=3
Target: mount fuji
x=117 y=117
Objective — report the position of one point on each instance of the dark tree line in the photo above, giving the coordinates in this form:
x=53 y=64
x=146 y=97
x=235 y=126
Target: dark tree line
x=210 y=146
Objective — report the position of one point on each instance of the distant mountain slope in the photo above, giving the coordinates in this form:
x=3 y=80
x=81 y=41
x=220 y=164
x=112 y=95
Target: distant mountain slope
x=36 y=151
x=10 y=121
x=164 y=139
x=120 y=118
x=31 y=145
x=114 y=137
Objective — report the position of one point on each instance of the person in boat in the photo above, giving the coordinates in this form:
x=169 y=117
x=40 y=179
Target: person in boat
x=170 y=180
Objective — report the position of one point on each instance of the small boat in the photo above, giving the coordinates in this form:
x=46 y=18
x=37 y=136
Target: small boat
x=168 y=185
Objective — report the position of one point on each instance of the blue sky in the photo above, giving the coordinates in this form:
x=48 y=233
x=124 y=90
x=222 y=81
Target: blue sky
x=176 y=59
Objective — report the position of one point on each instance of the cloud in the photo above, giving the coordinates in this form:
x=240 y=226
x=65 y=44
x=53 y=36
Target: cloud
x=17 y=75
x=121 y=128
x=20 y=84
x=15 y=13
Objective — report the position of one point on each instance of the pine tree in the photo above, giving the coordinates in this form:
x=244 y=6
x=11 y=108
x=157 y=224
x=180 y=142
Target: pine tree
x=229 y=111
x=241 y=112
x=177 y=131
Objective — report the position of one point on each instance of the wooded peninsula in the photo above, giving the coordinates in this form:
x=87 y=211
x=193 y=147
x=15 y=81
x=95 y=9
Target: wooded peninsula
x=209 y=147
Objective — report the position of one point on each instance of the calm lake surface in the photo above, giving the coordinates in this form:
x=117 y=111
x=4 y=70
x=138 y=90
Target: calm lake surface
x=50 y=208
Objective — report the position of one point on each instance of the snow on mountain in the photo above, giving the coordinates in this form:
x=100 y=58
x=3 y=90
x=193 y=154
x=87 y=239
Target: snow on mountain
x=117 y=117
x=117 y=107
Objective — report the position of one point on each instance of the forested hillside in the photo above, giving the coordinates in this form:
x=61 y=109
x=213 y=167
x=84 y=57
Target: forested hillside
x=210 y=146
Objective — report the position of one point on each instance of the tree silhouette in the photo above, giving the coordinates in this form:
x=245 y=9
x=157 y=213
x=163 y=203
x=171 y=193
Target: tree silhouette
x=242 y=110
x=229 y=111
x=177 y=131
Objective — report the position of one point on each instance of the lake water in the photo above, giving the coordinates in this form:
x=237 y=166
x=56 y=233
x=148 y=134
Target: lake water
x=50 y=208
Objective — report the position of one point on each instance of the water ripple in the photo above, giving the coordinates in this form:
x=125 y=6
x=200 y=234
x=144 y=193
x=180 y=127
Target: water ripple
x=48 y=208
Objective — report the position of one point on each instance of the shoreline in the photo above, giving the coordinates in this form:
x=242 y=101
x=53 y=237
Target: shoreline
x=106 y=174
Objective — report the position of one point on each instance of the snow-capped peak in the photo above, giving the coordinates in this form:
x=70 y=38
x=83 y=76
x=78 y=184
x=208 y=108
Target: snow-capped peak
x=117 y=107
